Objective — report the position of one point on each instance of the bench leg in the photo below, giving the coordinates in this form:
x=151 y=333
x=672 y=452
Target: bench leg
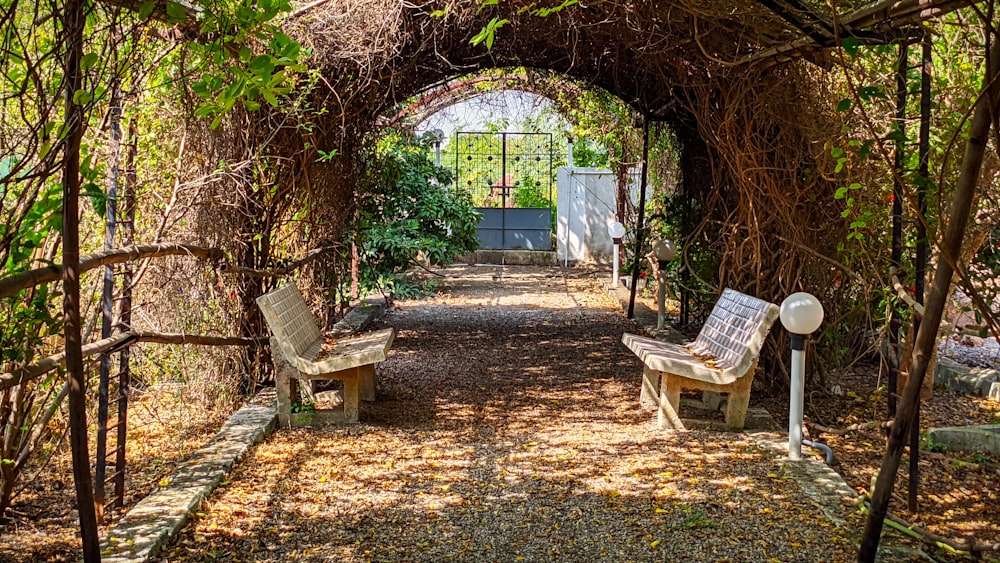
x=739 y=400
x=650 y=392
x=352 y=398
x=712 y=400
x=670 y=401
x=367 y=376
x=283 y=387
x=306 y=390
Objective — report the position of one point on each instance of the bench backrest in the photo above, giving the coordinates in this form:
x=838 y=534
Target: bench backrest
x=289 y=318
x=735 y=330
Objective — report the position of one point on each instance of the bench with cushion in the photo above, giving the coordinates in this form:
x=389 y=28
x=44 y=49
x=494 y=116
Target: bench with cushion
x=722 y=359
x=302 y=353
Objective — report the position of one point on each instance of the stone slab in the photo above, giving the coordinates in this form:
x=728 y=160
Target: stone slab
x=511 y=257
x=983 y=438
x=964 y=379
x=361 y=316
x=156 y=519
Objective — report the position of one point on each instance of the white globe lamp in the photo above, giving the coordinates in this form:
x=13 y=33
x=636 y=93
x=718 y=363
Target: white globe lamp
x=616 y=230
x=664 y=251
x=801 y=314
x=438 y=138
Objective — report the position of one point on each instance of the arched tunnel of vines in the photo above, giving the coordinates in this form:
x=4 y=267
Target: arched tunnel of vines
x=164 y=165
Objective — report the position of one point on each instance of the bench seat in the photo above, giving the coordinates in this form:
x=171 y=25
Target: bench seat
x=302 y=353
x=722 y=359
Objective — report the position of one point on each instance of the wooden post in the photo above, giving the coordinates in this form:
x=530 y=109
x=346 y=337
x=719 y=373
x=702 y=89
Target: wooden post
x=73 y=24
x=642 y=216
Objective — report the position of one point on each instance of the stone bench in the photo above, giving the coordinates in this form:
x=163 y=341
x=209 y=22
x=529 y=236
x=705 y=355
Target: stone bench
x=302 y=353
x=721 y=359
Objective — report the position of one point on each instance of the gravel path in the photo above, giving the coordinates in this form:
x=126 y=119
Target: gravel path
x=507 y=428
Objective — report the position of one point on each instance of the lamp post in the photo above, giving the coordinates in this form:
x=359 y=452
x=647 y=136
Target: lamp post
x=438 y=137
x=801 y=314
x=617 y=231
x=664 y=252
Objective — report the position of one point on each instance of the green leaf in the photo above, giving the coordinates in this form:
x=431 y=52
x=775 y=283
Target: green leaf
x=146 y=9
x=176 y=12
x=82 y=97
x=866 y=149
x=269 y=97
x=97 y=197
x=837 y=152
x=88 y=61
x=841 y=193
x=262 y=66
x=484 y=3
x=897 y=134
x=844 y=105
x=850 y=45
x=868 y=92
x=488 y=33
x=205 y=110
x=201 y=89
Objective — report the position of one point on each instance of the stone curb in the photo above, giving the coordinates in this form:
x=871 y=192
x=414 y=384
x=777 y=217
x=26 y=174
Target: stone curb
x=964 y=379
x=979 y=438
x=154 y=521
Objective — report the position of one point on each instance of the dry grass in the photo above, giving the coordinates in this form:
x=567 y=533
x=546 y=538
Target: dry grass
x=166 y=425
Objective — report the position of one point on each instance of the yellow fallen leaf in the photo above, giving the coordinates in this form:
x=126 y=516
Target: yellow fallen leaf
x=529 y=444
x=322 y=479
x=163 y=482
x=660 y=511
x=654 y=543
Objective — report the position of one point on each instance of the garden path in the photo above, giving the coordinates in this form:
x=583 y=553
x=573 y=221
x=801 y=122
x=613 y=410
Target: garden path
x=507 y=428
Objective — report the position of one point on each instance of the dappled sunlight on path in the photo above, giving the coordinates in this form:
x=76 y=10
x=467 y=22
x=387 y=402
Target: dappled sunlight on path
x=507 y=428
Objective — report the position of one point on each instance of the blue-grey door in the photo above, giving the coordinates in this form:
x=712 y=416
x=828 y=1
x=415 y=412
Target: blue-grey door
x=509 y=176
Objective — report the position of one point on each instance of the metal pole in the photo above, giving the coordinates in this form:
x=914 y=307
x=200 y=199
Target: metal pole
x=661 y=297
x=107 y=300
x=896 y=252
x=642 y=217
x=797 y=398
x=920 y=263
x=569 y=207
x=614 y=264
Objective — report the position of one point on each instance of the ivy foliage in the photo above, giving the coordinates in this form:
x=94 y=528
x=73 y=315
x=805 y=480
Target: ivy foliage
x=410 y=209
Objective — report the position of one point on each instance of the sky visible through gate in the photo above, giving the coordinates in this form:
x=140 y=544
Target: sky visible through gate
x=510 y=109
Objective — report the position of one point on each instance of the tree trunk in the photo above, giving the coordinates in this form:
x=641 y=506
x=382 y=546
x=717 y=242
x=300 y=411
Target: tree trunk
x=950 y=251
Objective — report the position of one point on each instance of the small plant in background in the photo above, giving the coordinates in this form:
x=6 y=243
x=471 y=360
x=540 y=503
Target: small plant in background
x=307 y=406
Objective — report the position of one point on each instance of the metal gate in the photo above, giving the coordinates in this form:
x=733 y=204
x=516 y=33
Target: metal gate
x=509 y=176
